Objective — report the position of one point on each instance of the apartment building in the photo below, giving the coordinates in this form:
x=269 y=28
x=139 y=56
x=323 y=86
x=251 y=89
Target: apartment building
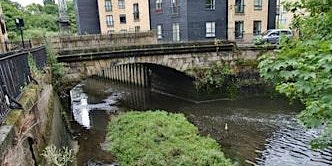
x=87 y=16
x=247 y=18
x=123 y=16
x=108 y=16
x=188 y=20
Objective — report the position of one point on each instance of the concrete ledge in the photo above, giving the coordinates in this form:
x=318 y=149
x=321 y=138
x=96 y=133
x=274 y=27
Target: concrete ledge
x=7 y=134
x=14 y=117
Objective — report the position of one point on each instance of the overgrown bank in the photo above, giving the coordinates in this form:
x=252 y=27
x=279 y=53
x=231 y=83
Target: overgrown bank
x=222 y=78
x=160 y=138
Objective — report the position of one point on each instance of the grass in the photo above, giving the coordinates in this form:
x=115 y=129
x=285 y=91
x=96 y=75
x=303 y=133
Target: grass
x=161 y=138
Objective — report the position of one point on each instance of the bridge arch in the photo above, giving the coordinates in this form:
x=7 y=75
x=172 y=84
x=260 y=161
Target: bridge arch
x=140 y=73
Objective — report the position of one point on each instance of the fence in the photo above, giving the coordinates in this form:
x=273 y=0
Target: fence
x=15 y=45
x=15 y=74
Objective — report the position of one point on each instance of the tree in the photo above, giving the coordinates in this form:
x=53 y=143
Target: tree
x=40 y=20
x=302 y=68
x=72 y=16
x=47 y=2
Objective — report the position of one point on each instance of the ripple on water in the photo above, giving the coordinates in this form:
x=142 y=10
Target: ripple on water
x=291 y=146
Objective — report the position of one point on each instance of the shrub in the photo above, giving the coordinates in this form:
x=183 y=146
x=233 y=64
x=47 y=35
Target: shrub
x=160 y=138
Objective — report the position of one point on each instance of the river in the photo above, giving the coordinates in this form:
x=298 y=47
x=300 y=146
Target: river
x=260 y=130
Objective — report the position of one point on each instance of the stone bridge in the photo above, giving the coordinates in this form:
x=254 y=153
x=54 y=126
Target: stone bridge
x=134 y=64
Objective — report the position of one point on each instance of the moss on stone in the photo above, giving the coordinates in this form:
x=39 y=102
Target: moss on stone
x=13 y=117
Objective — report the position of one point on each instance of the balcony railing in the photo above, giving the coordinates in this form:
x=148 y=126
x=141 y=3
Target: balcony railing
x=110 y=23
x=239 y=8
x=136 y=16
x=108 y=8
x=258 y=7
x=239 y=34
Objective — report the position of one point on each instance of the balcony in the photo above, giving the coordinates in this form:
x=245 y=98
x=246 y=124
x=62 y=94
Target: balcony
x=239 y=8
x=110 y=23
x=136 y=16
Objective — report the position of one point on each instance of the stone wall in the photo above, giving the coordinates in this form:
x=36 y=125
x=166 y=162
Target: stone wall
x=26 y=132
x=100 y=41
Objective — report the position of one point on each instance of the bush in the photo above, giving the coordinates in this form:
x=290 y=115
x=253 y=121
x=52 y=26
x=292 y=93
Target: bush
x=160 y=138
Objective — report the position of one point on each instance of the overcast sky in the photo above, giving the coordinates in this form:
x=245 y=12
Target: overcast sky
x=27 y=2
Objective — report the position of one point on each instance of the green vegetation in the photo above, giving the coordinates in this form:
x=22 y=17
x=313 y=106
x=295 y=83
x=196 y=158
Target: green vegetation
x=58 y=157
x=160 y=138
x=32 y=64
x=212 y=77
x=57 y=69
x=302 y=69
x=40 y=20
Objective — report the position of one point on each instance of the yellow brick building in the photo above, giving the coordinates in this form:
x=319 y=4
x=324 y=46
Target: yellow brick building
x=123 y=16
x=247 y=18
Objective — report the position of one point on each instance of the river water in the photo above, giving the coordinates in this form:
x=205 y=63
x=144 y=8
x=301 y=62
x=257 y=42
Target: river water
x=260 y=130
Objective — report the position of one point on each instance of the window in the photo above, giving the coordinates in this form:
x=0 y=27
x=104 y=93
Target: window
x=239 y=6
x=210 y=4
x=136 y=11
x=239 y=29
x=258 y=5
x=108 y=5
x=257 y=27
x=121 y=4
x=175 y=8
x=210 y=29
x=137 y=28
x=159 y=31
x=122 y=19
x=159 y=5
x=176 y=32
x=109 y=20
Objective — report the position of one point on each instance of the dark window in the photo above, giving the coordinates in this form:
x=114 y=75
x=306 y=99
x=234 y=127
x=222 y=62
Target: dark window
x=210 y=4
x=239 y=6
x=123 y=19
x=121 y=4
x=136 y=11
x=239 y=29
x=175 y=7
x=108 y=5
x=257 y=27
x=274 y=33
x=284 y=32
x=258 y=5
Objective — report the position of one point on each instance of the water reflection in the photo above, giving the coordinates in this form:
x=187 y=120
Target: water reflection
x=261 y=131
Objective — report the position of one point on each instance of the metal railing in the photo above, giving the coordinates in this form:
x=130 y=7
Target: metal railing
x=239 y=8
x=15 y=74
x=15 y=45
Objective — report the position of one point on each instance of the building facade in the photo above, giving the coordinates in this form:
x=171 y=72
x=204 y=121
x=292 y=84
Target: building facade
x=248 y=18
x=283 y=17
x=123 y=16
x=87 y=16
x=184 y=20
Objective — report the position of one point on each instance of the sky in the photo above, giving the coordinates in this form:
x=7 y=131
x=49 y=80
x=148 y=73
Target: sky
x=27 y=2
